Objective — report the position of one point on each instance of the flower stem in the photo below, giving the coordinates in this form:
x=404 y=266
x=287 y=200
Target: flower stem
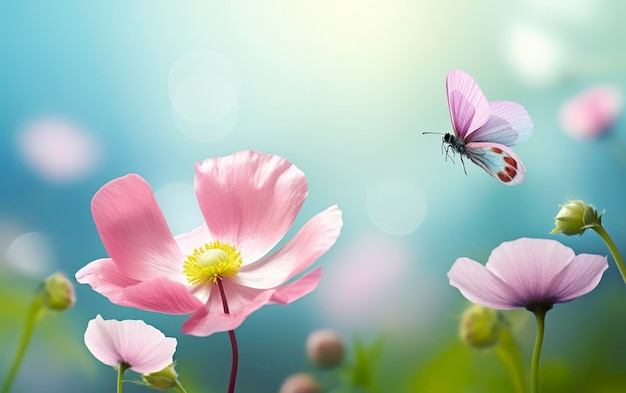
x=540 y=315
x=233 y=343
x=509 y=354
x=120 y=376
x=34 y=313
x=613 y=248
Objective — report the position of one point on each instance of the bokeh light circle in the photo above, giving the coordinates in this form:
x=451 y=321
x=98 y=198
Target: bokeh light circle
x=204 y=91
x=31 y=254
x=536 y=56
x=207 y=132
x=203 y=98
x=396 y=204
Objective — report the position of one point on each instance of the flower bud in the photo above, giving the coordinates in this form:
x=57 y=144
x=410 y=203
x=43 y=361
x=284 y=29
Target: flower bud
x=480 y=326
x=58 y=292
x=162 y=380
x=300 y=383
x=325 y=348
x=575 y=217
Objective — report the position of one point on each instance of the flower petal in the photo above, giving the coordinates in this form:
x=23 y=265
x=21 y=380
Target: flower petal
x=134 y=231
x=154 y=351
x=162 y=295
x=530 y=265
x=579 y=277
x=101 y=343
x=142 y=346
x=212 y=319
x=240 y=297
x=481 y=286
x=187 y=242
x=242 y=302
x=304 y=285
x=249 y=199
x=312 y=241
x=104 y=277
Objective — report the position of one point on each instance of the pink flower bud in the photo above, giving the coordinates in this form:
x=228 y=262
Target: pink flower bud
x=300 y=383
x=325 y=348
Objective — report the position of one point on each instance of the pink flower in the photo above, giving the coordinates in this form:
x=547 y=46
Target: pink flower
x=249 y=201
x=141 y=347
x=527 y=273
x=589 y=114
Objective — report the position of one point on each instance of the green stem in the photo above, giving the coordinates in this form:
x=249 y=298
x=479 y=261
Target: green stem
x=509 y=354
x=613 y=248
x=120 y=376
x=35 y=312
x=540 y=314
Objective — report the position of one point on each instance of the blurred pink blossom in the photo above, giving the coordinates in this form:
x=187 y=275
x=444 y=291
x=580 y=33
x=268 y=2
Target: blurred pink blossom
x=385 y=278
x=131 y=342
x=58 y=149
x=527 y=272
x=591 y=113
x=249 y=201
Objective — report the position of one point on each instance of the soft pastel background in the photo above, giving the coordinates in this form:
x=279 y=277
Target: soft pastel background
x=344 y=89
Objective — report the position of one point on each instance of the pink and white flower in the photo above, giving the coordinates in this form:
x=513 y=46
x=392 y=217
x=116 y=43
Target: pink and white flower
x=131 y=343
x=526 y=273
x=249 y=201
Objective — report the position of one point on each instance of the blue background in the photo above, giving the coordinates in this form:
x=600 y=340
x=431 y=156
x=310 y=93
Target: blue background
x=344 y=90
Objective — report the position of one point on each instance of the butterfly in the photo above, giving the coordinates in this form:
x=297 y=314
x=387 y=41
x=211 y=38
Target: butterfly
x=483 y=130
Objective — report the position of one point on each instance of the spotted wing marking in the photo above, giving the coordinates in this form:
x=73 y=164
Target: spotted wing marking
x=498 y=161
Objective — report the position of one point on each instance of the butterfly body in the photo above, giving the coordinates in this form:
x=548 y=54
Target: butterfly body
x=483 y=131
x=456 y=144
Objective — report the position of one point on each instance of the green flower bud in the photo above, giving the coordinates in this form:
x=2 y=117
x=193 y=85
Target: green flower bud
x=480 y=326
x=575 y=217
x=162 y=380
x=58 y=292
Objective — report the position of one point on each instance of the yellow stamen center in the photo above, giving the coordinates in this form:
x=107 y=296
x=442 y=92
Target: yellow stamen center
x=211 y=262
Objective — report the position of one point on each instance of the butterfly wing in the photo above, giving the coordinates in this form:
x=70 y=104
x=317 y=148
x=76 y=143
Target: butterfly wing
x=468 y=105
x=497 y=160
x=509 y=124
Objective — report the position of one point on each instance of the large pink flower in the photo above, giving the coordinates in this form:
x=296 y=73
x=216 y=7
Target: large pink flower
x=249 y=201
x=135 y=344
x=525 y=273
